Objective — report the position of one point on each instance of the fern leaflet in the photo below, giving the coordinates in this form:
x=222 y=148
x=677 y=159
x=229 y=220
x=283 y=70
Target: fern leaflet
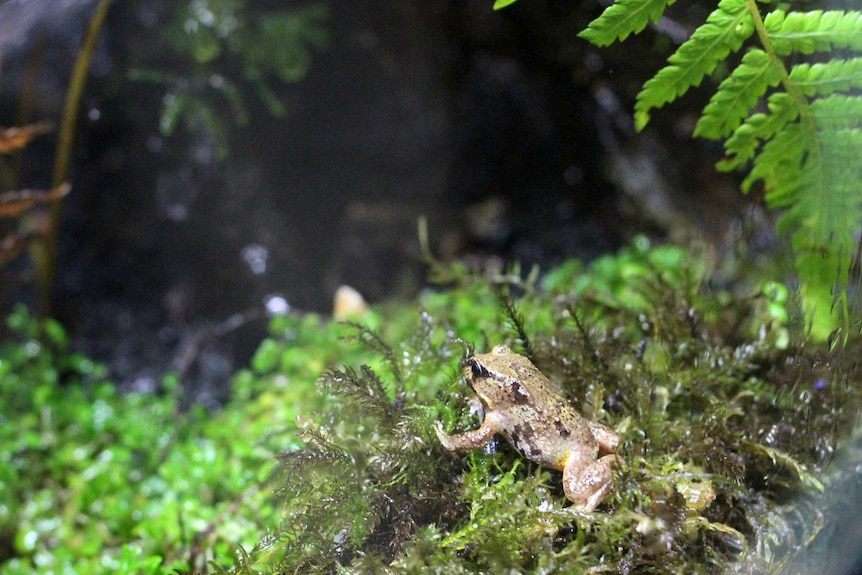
x=623 y=18
x=758 y=128
x=817 y=31
x=724 y=32
x=737 y=95
x=828 y=78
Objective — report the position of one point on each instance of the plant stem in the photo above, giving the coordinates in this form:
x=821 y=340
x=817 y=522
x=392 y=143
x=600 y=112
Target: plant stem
x=47 y=263
x=806 y=116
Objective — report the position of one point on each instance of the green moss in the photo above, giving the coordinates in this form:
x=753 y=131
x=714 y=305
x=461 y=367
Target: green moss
x=726 y=428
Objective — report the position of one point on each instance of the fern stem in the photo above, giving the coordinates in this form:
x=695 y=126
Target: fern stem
x=806 y=117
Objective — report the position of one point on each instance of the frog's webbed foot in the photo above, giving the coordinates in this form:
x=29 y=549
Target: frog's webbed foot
x=586 y=486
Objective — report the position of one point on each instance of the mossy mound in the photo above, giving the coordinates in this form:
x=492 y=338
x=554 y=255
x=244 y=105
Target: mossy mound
x=727 y=424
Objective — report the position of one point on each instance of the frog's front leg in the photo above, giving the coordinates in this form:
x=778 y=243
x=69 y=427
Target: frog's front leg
x=491 y=426
x=607 y=438
x=586 y=483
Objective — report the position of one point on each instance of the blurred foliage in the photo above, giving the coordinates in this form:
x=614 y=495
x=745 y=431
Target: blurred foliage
x=727 y=425
x=789 y=112
x=225 y=47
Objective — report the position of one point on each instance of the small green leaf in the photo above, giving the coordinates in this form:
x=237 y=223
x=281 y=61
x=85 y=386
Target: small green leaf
x=499 y=4
x=267 y=356
x=55 y=332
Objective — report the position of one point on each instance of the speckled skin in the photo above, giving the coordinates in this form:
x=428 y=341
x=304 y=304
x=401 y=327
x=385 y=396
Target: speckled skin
x=522 y=406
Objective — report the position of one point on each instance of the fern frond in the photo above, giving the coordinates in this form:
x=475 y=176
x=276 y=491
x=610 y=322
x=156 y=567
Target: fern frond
x=622 y=19
x=817 y=31
x=818 y=179
x=805 y=148
x=833 y=218
x=724 y=32
x=737 y=94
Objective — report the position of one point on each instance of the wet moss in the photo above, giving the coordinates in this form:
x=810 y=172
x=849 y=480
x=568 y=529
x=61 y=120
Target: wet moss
x=727 y=426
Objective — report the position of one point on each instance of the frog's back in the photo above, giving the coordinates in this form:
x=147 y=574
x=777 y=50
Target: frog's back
x=549 y=433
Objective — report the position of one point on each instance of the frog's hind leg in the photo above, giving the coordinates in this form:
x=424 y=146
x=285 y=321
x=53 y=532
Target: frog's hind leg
x=587 y=483
x=607 y=438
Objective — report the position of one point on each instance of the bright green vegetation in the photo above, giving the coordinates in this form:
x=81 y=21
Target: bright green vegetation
x=94 y=481
x=326 y=459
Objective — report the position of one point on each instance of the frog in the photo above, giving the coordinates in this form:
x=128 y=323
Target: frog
x=520 y=404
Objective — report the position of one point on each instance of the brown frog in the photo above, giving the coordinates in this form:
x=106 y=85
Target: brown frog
x=521 y=405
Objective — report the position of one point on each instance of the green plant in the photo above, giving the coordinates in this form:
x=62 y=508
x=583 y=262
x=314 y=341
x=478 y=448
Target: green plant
x=41 y=237
x=45 y=253
x=789 y=108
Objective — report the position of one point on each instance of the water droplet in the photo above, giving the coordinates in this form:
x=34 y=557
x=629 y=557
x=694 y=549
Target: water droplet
x=276 y=305
x=256 y=256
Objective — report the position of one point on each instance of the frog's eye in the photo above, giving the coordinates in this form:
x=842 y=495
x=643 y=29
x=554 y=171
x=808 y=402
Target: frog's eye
x=478 y=370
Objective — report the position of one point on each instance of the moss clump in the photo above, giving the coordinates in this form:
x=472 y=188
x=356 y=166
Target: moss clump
x=726 y=427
